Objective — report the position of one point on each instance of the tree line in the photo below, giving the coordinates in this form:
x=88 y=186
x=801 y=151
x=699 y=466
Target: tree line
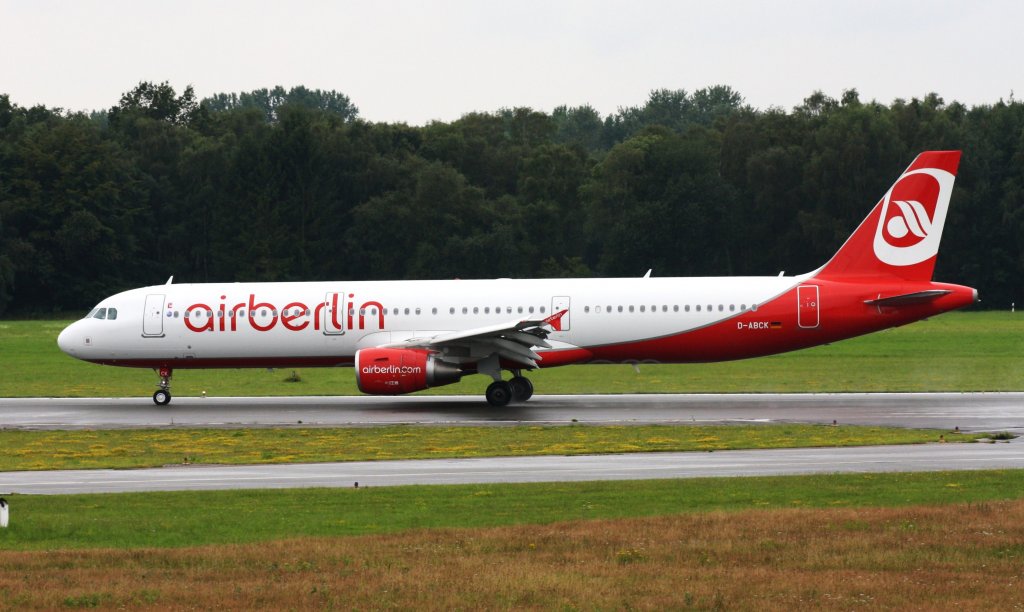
x=279 y=184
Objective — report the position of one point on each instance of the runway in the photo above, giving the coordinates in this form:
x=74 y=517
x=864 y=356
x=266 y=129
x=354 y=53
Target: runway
x=930 y=457
x=968 y=411
x=991 y=412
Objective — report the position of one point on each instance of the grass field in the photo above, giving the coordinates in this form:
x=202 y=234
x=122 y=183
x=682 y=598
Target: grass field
x=963 y=557
x=194 y=518
x=907 y=541
x=127 y=448
x=974 y=351
x=874 y=541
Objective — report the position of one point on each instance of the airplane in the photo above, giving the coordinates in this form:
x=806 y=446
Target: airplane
x=404 y=336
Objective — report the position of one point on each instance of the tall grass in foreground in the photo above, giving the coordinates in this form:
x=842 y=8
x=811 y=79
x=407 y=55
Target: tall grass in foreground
x=965 y=556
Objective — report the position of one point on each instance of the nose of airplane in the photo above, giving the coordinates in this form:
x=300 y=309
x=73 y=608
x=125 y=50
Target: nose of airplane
x=64 y=340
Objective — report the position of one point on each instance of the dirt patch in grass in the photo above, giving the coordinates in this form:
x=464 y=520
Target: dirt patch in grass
x=958 y=556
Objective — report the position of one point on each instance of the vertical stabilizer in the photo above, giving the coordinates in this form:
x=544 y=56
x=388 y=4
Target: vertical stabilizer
x=900 y=238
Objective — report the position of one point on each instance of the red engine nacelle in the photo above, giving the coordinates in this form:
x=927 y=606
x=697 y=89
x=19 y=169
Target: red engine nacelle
x=388 y=371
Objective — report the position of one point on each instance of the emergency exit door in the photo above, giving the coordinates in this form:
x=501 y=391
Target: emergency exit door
x=558 y=304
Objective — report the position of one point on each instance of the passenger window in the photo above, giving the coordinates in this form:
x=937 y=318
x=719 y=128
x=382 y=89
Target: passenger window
x=586 y=309
x=531 y=309
x=642 y=308
x=433 y=311
x=687 y=308
x=732 y=307
x=476 y=310
x=451 y=310
x=111 y=314
x=675 y=308
x=465 y=310
x=698 y=307
x=417 y=311
x=631 y=308
x=542 y=310
x=620 y=308
x=520 y=310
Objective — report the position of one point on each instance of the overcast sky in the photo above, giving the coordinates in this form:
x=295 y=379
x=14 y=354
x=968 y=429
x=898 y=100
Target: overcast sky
x=418 y=61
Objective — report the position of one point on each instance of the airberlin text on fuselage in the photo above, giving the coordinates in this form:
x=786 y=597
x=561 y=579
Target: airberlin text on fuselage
x=294 y=316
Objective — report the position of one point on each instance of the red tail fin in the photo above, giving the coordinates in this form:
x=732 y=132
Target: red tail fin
x=900 y=238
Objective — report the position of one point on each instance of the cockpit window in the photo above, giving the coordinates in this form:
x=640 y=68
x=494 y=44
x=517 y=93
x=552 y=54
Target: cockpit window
x=92 y=313
x=101 y=313
x=111 y=314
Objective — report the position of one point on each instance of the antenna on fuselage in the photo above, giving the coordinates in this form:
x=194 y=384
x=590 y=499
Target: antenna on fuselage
x=648 y=275
x=170 y=280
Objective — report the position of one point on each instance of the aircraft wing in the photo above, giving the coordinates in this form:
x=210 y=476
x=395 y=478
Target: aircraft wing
x=513 y=341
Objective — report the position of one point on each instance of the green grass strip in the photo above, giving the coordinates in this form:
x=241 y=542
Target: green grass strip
x=176 y=519
x=128 y=448
x=962 y=351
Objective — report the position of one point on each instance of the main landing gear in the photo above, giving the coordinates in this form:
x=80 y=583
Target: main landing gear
x=162 y=397
x=502 y=393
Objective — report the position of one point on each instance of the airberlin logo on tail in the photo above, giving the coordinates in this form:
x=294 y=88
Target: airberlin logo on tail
x=912 y=219
x=913 y=213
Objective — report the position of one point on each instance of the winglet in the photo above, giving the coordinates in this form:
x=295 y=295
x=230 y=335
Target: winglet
x=555 y=320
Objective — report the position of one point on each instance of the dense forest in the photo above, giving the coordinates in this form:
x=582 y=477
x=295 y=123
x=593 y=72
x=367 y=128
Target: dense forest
x=293 y=185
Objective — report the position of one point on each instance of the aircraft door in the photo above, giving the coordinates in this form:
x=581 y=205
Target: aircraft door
x=332 y=314
x=558 y=304
x=153 y=316
x=807 y=306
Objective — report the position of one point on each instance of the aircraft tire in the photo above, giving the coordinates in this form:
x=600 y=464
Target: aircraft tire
x=522 y=388
x=499 y=393
x=162 y=397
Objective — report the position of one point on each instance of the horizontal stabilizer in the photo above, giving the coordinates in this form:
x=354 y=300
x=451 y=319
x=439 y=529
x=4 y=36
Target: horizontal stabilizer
x=918 y=297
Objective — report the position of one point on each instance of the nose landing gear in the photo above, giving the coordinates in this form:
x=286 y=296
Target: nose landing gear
x=162 y=396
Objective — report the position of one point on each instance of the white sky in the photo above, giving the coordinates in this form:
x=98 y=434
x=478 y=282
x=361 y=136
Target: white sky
x=416 y=61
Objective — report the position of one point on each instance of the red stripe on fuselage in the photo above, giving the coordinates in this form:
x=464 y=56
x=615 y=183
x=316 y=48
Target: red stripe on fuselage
x=773 y=327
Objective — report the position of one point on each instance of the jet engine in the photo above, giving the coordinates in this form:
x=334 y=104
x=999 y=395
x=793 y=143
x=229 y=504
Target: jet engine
x=391 y=371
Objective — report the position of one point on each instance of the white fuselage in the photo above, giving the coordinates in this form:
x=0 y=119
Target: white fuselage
x=325 y=323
